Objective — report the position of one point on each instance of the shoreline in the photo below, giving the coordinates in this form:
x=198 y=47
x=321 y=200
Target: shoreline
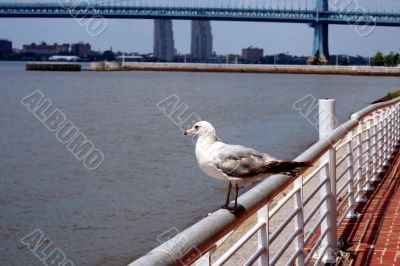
x=266 y=69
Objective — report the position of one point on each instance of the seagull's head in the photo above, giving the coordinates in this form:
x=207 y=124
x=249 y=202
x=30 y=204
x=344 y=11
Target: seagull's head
x=202 y=128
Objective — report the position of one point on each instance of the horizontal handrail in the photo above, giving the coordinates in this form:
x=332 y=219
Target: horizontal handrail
x=282 y=202
x=315 y=227
x=319 y=241
x=282 y=226
x=285 y=246
x=315 y=172
x=255 y=257
x=239 y=244
x=200 y=238
x=206 y=232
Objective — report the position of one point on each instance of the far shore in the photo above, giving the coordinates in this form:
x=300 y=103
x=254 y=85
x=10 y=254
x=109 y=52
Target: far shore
x=281 y=69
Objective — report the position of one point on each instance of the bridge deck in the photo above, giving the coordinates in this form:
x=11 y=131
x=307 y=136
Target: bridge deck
x=374 y=238
x=359 y=18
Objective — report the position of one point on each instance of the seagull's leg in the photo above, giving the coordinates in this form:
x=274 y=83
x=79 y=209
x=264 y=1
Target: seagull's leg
x=228 y=195
x=236 y=195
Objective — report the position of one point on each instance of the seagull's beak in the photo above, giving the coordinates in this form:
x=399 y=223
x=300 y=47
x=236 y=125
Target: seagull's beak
x=188 y=132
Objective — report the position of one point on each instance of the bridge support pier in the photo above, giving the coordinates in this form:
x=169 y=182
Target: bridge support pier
x=321 y=39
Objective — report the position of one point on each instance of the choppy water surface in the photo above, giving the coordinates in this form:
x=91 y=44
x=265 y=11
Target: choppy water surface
x=149 y=181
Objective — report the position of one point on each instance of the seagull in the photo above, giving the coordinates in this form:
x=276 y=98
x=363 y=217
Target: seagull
x=235 y=163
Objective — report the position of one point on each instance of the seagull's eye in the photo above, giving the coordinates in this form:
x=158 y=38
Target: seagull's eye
x=196 y=127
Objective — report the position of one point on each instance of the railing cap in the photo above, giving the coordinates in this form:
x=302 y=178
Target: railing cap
x=201 y=237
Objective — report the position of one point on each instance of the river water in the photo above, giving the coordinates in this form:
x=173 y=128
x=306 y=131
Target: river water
x=149 y=181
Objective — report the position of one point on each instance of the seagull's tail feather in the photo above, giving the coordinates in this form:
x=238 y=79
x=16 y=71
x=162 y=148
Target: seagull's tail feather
x=290 y=167
x=300 y=164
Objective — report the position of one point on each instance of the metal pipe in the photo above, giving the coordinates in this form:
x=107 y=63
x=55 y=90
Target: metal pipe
x=327 y=124
x=299 y=223
x=263 y=235
x=350 y=188
x=239 y=244
x=201 y=237
x=368 y=187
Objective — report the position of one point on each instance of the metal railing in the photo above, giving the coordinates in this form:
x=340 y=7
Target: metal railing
x=346 y=160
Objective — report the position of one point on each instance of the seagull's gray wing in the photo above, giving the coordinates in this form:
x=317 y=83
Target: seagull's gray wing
x=240 y=161
x=243 y=162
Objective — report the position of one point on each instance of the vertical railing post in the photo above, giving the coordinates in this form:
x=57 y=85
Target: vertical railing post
x=397 y=123
x=350 y=165
x=333 y=199
x=327 y=123
x=374 y=159
x=368 y=186
x=380 y=141
x=393 y=139
x=263 y=235
x=298 y=204
x=359 y=159
x=389 y=132
x=390 y=129
x=393 y=129
x=205 y=260
x=386 y=133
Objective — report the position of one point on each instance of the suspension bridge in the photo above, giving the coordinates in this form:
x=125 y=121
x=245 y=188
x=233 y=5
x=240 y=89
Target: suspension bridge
x=363 y=15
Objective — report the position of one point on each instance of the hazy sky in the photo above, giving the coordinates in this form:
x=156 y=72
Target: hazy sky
x=229 y=37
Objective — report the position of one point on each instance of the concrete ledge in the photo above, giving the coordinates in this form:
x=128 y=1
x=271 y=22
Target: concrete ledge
x=281 y=69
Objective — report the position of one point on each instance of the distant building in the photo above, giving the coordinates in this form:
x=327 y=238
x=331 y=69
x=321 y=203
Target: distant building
x=81 y=49
x=252 y=54
x=130 y=58
x=45 y=49
x=202 y=40
x=73 y=58
x=5 y=48
x=64 y=48
x=163 y=40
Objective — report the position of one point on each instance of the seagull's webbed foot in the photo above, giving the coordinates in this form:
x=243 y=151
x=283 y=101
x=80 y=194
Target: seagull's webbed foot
x=229 y=208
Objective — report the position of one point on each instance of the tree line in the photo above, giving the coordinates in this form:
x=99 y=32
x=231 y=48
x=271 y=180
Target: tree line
x=389 y=60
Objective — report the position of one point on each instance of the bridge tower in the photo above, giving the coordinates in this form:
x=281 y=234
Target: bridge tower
x=321 y=40
x=163 y=48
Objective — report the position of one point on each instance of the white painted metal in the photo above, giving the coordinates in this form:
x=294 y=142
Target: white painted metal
x=381 y=126
x=327 y=117
x=298 y=204
x=333 y=200
x=282 y=202
x=359 y=163
x=350 y=187
x=226 y=256
x=368 y=186
x=374 y=140
x=205 y=260
x=327 y=123
x=380 y=141
x=315 y=172
x=263 y=235
x=385 y=139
